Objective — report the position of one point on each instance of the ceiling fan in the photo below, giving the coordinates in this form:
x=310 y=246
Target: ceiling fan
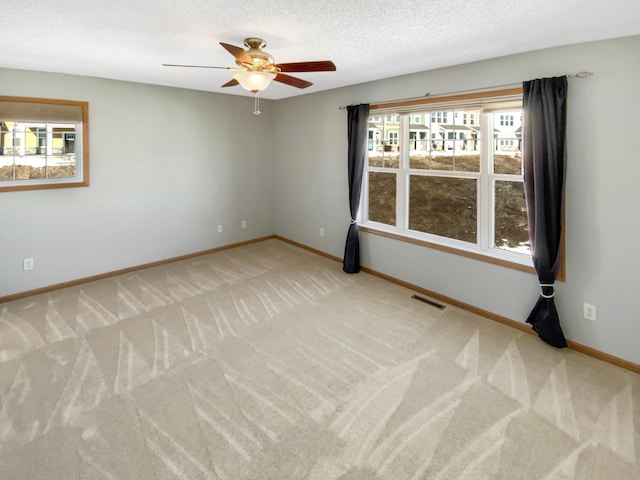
x=256 y=68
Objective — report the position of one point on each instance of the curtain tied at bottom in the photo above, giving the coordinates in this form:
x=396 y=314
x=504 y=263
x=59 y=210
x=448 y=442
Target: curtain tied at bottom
x=357 y=123
x=544 y=104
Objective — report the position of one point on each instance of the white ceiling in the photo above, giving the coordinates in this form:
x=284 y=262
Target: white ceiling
x=366 y=39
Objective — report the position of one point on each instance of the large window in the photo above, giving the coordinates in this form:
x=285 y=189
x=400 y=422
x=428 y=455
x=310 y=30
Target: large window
x=43 y=143
x=453 y=180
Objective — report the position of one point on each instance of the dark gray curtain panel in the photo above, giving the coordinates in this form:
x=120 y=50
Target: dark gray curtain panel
x=544 y=165
x=357 y=121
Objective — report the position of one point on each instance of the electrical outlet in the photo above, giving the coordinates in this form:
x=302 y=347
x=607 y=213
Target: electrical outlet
x=589 y=312
x=27 y=264
x=322 y=232
x=219 y=228
x=244 y=224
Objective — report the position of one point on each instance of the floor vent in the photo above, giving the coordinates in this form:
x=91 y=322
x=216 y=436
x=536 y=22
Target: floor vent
x=430 y=302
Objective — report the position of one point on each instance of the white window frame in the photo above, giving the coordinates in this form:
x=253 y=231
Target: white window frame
x=484 y=249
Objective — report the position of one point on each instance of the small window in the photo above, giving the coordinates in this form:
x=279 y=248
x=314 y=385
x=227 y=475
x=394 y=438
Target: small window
x=440 y=117
x=44 y=143
x=506 y=120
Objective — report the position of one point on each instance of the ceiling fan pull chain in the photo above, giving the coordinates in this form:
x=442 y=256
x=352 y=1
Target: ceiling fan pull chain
x=256 y=105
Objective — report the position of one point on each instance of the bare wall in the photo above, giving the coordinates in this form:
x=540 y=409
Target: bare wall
x=167 y=167
x=310 y=189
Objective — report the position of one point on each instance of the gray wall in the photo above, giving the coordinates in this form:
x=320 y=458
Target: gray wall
x=603 y=259
x=167 y=166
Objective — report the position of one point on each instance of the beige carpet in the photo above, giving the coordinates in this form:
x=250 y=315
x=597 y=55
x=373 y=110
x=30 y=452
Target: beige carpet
x=268 y=362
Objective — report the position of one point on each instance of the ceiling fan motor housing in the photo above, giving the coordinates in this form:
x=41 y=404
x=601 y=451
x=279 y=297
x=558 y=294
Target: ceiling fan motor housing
x=259 y=56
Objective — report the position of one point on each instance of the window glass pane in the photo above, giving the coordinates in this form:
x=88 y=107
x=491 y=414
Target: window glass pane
x=43 y=143
x=443 y=206
x=505 y=162
x=382 y=198
x=511 y=232
x=507 y=139
x=31 y=166
x=448 y=141
x=383 y=142
x=37 y=150
x=419 y=142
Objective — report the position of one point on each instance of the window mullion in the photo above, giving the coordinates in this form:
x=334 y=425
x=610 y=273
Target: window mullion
x=402 y=179
x=364 y=195
x=485 y=210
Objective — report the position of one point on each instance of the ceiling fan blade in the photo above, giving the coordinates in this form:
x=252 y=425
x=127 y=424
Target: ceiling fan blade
x=231 y=83
x=292 y=81
x=240 y=54
x=322 y=66
x=195 y=66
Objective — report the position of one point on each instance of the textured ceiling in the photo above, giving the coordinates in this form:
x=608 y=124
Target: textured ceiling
x=366 y=39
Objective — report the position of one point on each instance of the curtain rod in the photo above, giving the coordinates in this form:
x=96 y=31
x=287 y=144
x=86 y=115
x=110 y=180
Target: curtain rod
x=582 y=74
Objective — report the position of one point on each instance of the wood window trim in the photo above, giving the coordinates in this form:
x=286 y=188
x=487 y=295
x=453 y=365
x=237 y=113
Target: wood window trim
x=473 y=255
x=84 y=108
x=445 y=99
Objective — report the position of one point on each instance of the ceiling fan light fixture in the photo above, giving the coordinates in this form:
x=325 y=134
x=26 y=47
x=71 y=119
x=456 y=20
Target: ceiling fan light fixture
x=254 y=81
